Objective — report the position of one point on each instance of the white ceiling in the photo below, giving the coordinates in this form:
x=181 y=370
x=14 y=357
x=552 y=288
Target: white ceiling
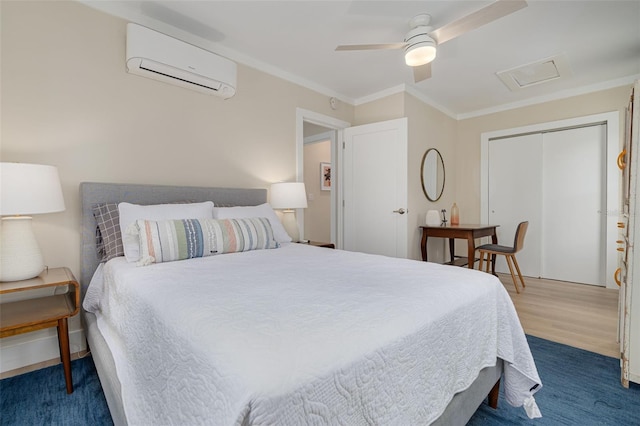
x=296 y=40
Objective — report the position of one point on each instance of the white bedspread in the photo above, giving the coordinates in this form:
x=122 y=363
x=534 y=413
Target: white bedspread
x=304 y=335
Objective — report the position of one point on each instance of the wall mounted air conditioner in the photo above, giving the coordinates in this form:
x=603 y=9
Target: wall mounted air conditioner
x=160 y=57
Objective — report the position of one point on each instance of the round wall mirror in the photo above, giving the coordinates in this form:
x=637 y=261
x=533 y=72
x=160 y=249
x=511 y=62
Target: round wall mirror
x=432 y=174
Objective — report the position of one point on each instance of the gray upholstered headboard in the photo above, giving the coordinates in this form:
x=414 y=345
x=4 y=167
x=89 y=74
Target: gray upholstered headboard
x=92 y=193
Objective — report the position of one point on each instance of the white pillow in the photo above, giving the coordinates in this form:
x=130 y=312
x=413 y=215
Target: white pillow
x=129 y=213
x=263 y=210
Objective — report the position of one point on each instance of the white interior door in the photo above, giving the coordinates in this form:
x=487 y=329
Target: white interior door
x=515 y=196
x=573 y=207
x=375 y=188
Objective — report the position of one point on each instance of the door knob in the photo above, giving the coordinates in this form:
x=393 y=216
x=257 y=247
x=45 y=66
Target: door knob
x=400 y=211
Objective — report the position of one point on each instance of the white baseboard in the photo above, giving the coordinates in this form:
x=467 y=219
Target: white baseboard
x=25 y=353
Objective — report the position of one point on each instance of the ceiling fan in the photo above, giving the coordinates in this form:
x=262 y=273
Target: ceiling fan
x=421 y=41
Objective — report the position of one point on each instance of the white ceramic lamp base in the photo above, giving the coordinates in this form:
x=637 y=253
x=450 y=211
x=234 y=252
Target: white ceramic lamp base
x=433 y=218
x=20 y=256
x=291 y=224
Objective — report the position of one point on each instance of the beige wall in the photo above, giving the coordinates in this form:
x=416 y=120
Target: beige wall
x=388 y=108
x=317 y=216
x=68 y=101
x=467 y=147
x=428 y=128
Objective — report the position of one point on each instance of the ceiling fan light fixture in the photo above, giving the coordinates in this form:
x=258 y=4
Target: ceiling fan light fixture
x=420 y=48
x=420 y=54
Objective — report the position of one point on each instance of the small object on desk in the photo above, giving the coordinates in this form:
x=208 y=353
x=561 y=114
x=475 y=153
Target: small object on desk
x=444 y=217
x=433 y=218
x=455 y=215
x=28 y=315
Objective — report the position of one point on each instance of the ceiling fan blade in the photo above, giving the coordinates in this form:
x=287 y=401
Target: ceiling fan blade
x=384 y=46
x=477 y=19
x=422 y=72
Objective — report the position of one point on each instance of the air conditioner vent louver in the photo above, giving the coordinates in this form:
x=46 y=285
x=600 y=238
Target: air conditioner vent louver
x=180 y=79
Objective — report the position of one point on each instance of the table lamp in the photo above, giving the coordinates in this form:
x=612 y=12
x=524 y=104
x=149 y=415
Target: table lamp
x=25 y=189
x=289 y=196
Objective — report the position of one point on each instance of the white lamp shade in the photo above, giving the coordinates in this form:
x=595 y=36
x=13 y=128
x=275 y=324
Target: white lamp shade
x=288 y=195
x=27 y=189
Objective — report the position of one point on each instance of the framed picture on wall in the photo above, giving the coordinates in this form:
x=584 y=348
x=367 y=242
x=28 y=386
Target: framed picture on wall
x=325 y=176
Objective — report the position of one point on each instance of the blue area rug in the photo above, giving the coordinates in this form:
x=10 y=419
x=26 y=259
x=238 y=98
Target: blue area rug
x=40 y=397
x=580 y=388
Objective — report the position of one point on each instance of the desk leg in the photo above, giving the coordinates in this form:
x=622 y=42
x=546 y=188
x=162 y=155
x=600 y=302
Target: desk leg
x=452 y=249
x=471 y=252
x=65 y=355
x=424 y=245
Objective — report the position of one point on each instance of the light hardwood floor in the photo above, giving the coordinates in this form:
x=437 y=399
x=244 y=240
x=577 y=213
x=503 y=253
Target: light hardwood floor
x=579 y=315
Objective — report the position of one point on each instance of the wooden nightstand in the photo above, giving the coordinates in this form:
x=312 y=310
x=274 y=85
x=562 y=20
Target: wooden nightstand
x=319 y=244
x=43 y=312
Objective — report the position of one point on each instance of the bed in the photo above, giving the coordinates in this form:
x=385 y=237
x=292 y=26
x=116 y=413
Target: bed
x=295 y=334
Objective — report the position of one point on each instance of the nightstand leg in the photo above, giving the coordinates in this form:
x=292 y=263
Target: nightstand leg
x=65 y=355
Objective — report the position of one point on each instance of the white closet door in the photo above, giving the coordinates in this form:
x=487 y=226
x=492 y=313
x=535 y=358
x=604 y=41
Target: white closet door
x=573 y=209
x=515 y=195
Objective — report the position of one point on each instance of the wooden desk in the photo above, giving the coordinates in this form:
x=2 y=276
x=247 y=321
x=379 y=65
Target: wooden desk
x=467 y=232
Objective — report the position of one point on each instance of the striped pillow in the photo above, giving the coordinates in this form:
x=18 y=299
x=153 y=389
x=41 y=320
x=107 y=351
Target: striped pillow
x=169 y=240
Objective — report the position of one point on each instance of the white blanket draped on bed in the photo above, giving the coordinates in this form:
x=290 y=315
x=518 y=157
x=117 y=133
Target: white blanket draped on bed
x=303 y=334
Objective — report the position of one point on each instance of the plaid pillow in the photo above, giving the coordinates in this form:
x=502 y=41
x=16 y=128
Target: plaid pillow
x=108 y=236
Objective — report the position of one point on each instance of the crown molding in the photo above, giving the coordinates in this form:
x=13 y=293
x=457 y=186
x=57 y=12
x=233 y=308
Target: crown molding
x=564 y=94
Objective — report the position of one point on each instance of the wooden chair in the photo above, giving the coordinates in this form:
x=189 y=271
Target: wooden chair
x=491 y=250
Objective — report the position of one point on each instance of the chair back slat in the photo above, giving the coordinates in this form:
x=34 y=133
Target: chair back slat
x=518 y=241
